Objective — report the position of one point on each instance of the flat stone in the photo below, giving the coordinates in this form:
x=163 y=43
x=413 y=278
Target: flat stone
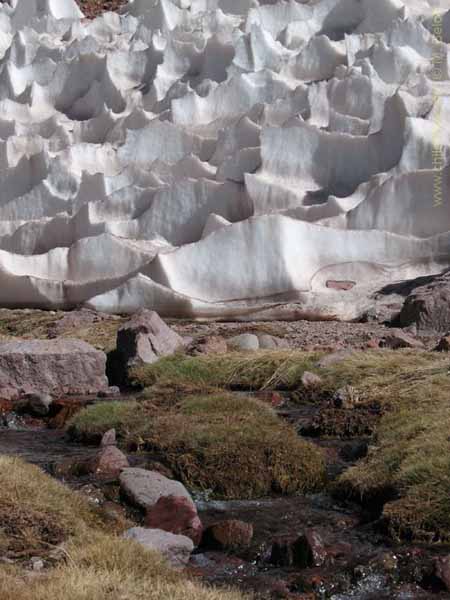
x=59 y=367
x=176 y=549
x=144 y=488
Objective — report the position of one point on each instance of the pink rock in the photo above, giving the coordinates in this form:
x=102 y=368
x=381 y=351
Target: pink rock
x=340 y=285
x=146 y=337
x=176 y=514
x=443 y=345
x=109 y=462
x=52 y=366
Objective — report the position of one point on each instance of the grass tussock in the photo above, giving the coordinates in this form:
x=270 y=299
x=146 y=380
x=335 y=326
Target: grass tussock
x=249 y=371
x=93 y=563
x=411 y=458
x=233 y=445
x=90 y=423
x=36 y=512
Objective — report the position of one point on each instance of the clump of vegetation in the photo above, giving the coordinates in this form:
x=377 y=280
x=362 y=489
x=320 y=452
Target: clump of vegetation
x=233 y=445
x=249 y=371
x=411 y=459
x=36 y=512
x=94 y=563
x=90 y=423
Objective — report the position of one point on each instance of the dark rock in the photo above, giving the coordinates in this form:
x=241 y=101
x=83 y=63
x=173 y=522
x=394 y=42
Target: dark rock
x=35 y=404
x=62 y=366
x=176 y=514
x=230 y=534
x=307 y=550
x=428 y=306
x=443 y=345
x=397 y=338
x=145 y=338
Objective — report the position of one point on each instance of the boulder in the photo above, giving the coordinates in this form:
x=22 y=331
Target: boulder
x=397 y=338
x=109 y=462
x=145 y=338
x=246 y=342
x=176 y=514
x=144 y=488
x=230 y=534
x=176 y=549
x=428 y=306
x=59 y=367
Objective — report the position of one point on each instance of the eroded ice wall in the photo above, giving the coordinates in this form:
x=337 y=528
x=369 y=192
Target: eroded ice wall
x=222 y=157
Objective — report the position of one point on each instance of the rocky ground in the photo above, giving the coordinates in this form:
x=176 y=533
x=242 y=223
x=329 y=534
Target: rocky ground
x=293 y=460
x=93 y=8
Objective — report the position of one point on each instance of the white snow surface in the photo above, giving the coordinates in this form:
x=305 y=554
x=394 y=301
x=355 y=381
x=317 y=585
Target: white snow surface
x=218 y=158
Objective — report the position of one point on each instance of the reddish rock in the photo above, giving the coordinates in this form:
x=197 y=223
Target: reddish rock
x=443 y=345
x=342 y=285
x=397 y=338
x=145 y=338
x=231 y=534
x=52 y=366
x=276 y=400
x=176 y=514
x=308 y=550
x=443 y=570
x=109 y=462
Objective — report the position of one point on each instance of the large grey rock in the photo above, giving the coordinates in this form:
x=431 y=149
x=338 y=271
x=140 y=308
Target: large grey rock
x=144 y=488
x=62 y=366
x=145 y=338
x=176 y=549
x=428 y=306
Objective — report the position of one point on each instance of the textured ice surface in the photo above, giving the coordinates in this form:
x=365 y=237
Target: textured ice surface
x=222 y=157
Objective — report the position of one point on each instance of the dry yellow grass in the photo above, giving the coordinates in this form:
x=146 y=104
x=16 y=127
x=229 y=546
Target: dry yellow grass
x=93 y=564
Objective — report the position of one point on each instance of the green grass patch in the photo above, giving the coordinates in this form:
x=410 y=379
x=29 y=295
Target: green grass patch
x=411 y=456
x=249 y=371
x=90 y=423
x=233 y=445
